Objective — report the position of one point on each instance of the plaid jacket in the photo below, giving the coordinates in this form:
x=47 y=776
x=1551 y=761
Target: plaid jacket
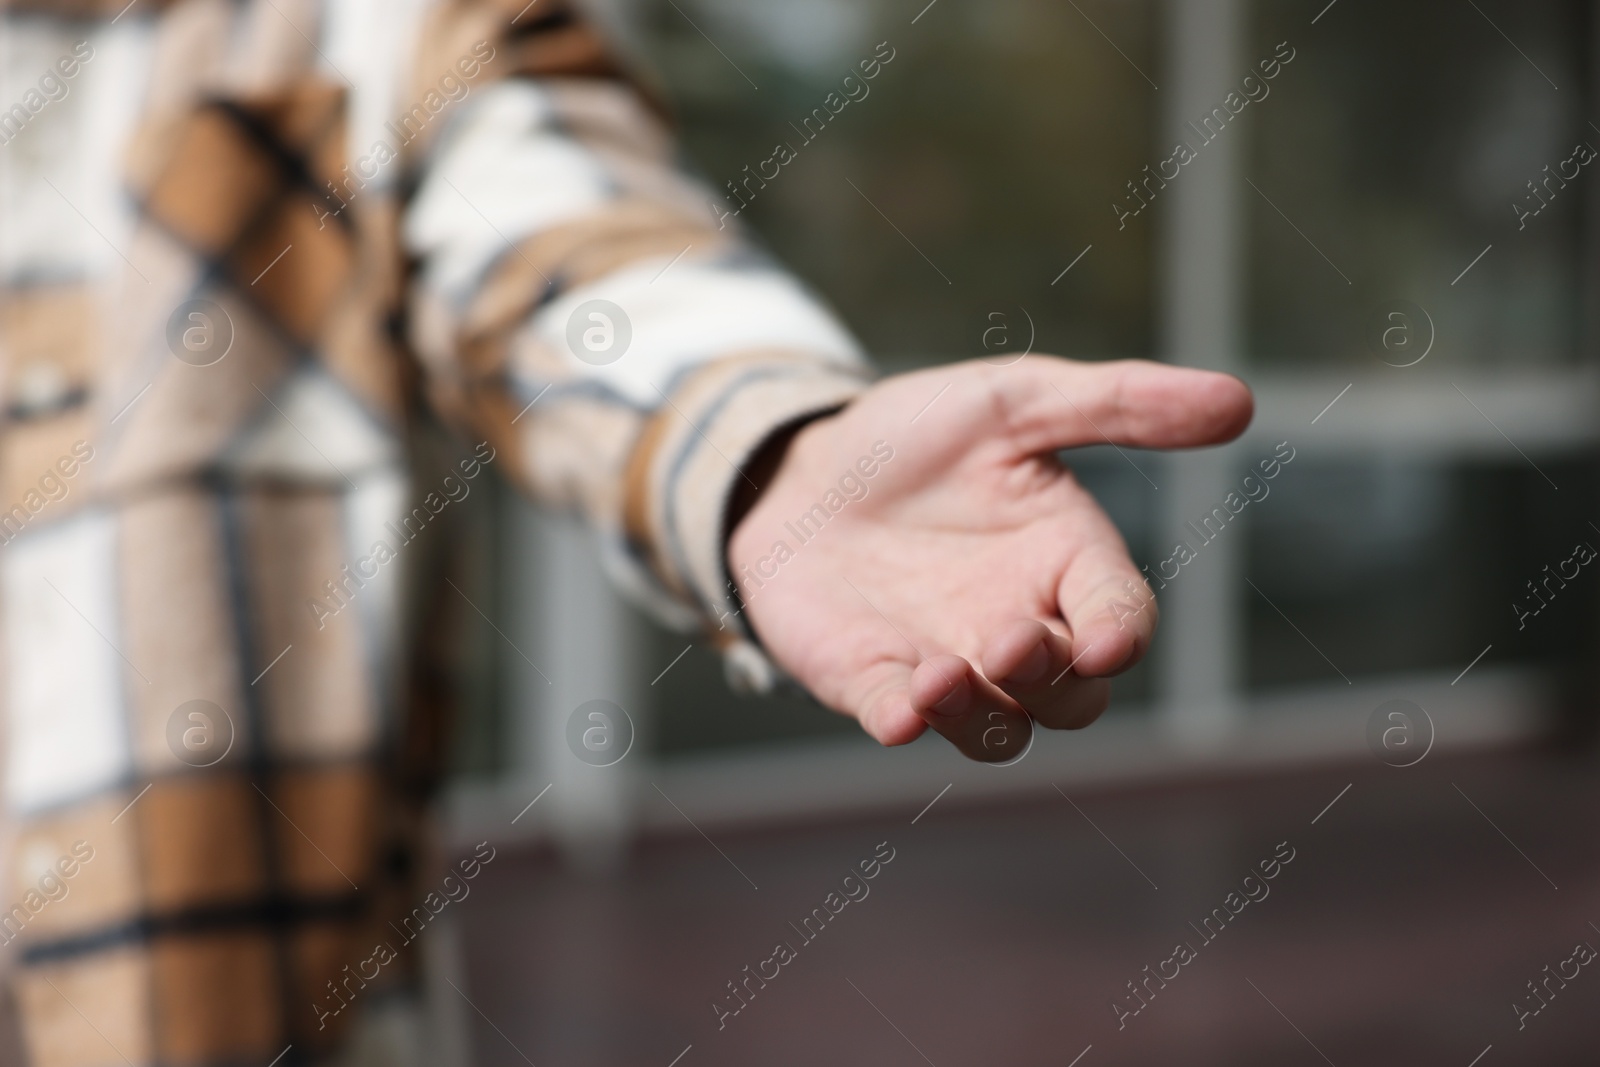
x=242 y=243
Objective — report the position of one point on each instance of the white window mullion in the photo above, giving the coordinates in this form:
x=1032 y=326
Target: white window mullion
x=1201 y=311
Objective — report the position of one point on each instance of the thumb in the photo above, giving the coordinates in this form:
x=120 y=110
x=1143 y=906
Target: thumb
x=1058 y=403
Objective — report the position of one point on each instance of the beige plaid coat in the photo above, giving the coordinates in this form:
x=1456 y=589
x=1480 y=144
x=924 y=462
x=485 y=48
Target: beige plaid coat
x=244 y=246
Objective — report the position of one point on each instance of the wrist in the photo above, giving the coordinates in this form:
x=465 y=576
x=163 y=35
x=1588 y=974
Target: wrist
x=742 y=542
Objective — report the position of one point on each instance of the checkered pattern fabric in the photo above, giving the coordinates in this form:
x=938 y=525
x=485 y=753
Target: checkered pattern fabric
x=244 y=246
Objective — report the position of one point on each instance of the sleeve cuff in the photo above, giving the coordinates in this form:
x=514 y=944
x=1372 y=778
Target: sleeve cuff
x=689 y=459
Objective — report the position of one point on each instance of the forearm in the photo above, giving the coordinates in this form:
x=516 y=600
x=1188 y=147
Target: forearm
x=546 y=197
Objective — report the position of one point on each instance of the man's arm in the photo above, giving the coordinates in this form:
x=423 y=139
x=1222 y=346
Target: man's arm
x=578 y=304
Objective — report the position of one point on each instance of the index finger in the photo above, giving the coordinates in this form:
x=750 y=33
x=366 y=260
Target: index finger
x=1107 y=602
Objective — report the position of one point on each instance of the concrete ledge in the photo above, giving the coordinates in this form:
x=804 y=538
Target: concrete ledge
x=755 y=787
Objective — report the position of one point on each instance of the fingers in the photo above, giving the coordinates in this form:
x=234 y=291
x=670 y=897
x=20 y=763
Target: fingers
x=880 y=700
x=1029 y=663
x=1109 y=607
x=968 y=711
x=1056 y=403
x=986 y=718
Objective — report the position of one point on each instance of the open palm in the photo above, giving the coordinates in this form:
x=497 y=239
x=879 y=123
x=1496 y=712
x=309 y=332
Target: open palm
x=924 y=558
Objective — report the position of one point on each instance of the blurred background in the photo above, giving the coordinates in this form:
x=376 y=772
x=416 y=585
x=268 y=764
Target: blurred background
x=1361 y=244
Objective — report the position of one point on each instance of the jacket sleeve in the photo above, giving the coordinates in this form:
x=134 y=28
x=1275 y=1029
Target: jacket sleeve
x=579 y=302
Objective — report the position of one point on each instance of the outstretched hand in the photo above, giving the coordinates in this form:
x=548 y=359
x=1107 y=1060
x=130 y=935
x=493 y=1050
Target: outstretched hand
x=923 y=558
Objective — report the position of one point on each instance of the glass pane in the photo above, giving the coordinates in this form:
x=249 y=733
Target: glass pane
x=1402 y=143
x=965 y=178
x=1401 y=566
